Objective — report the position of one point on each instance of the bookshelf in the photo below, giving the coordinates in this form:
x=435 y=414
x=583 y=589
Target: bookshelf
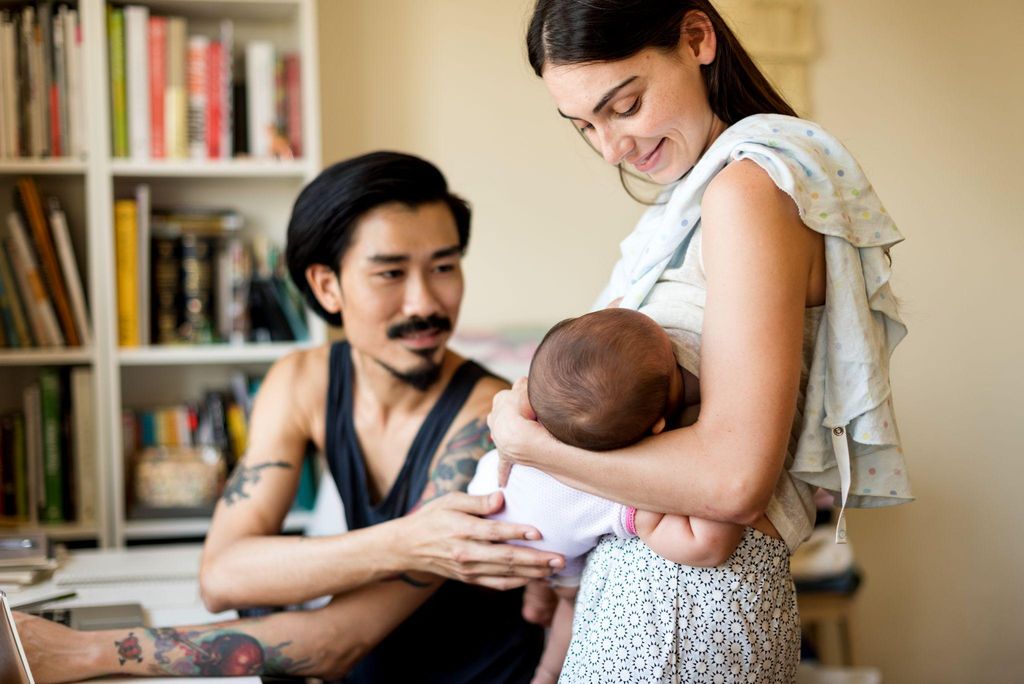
x=263 y=190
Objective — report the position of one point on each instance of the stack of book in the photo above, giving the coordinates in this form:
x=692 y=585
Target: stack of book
x=48 y=451
x=174 y=95
x=214 y=427
x=185 y=275
x=42 y=302
x=41 y=82
x=25 y=558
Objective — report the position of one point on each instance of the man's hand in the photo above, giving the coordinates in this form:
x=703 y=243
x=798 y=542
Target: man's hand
x=56 y=653
x=447 y=537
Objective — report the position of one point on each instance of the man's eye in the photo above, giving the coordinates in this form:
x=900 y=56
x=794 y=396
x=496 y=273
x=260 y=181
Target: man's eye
x=445 y=268
x=390 y=275
x=583 y=127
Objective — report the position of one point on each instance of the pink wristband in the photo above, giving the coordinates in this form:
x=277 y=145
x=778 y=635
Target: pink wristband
x=630 y=522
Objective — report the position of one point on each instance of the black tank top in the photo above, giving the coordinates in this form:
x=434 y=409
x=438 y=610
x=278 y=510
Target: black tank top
x=463 y=633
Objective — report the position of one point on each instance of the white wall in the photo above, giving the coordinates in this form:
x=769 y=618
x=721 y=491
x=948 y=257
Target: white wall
x=928 y=95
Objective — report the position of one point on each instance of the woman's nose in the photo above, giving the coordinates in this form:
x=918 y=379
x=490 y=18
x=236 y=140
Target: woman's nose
x=615 y=147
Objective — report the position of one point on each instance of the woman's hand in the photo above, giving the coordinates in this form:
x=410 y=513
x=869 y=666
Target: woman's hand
x=514 y=428
x=447 y=537
x=56 y=653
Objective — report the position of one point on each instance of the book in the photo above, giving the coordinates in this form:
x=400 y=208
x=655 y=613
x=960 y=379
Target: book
x=84 y=431
x=69 y=268
x=197 y=282
x=260 y=86
x=75 y=83
x=68 y=466
x=166 y=288
x=8 y=507
x=10 y=143
x=293 y=99
x=175 y=99
x=44 y=8
x=137 y=95
x=42 y=318
x=227 y=51
x=31 y=49
x=157 y=85
x=58 y=89
x=125 y=234
x=118 y=85
x=10 y=309
x=142 y=204
x=23 y=37
x=195 y=86
x=214 y=127
x=53 y=478
x=32 y=208
x=22 y=483
x=33 y=449
x=15 y=303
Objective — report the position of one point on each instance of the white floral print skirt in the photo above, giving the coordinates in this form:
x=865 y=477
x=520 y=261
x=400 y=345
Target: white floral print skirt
x=641 y=618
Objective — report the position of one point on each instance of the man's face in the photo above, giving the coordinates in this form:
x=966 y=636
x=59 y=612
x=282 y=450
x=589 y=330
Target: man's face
x=401 y=288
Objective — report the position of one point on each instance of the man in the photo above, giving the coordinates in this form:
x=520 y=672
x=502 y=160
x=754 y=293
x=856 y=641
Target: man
x=374 y=243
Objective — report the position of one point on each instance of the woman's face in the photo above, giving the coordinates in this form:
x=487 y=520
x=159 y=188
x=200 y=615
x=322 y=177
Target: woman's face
x=649 y=111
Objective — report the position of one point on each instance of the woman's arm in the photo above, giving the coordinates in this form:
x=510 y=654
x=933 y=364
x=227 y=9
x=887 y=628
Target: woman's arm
x=758 y=259
x=444 y=537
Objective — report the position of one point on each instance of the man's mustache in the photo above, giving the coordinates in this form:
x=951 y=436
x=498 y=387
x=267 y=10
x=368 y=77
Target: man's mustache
x=416 y=324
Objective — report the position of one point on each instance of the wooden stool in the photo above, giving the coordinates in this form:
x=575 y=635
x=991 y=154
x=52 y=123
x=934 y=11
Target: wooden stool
x=825 y=619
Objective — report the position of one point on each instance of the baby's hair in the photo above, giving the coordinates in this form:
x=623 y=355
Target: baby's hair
x=599 y=381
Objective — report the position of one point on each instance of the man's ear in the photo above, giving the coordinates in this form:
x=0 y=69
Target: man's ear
x=698 y=37
x=658 y=427
x=326 y=287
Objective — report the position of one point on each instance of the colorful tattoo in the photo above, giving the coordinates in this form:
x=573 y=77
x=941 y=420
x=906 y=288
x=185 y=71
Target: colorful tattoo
x=129 y=649
x=456 y=466
x=245 y=475
x=218 y=653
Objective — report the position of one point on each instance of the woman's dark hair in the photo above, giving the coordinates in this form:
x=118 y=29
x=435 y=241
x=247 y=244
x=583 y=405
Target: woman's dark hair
x=584 y=31
x=327 y=210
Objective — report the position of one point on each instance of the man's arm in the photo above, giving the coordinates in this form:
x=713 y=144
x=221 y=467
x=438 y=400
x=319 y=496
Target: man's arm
x=325 y=643
x=444 y=537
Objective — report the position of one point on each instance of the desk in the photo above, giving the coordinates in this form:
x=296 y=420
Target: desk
x=164 y=580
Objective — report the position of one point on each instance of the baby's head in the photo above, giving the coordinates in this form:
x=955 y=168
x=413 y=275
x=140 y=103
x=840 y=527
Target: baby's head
x=604 y=380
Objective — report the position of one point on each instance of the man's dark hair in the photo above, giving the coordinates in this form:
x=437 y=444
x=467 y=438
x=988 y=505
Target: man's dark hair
x=327 y=210
x=599 y=381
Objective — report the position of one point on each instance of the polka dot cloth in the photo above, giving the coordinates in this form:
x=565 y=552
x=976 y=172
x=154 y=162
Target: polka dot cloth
x=642 y=619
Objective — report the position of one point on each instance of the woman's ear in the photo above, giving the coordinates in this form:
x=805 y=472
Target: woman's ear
x=326 y=287
x=698 y=38
x=658 y=427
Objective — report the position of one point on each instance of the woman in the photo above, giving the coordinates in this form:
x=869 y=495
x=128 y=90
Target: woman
x=769 y=220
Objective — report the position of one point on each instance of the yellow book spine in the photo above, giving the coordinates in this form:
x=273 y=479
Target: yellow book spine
x=237 y=430
x=126 y=238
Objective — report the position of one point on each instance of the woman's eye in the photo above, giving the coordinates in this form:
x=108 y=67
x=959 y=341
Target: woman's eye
x=631 y=110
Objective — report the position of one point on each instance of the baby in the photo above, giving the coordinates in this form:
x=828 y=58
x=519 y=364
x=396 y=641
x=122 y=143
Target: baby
x=602 y=381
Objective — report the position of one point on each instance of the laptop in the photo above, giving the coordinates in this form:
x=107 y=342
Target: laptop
x=13 y=662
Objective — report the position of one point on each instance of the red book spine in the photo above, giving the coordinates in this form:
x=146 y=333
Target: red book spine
x=214 y=73
x=157 y=85
x=55 y=148
x=293 y=97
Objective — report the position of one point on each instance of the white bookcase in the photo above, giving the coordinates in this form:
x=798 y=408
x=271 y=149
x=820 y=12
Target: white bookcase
x=262 y=190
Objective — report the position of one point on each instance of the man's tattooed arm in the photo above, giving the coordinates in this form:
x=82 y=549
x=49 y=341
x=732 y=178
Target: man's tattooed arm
x=209 y=651
x=245 y=475
x=456 y=465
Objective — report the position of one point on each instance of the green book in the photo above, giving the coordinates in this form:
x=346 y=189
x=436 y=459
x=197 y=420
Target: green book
x=21 y=483
x=53 y=476
x=118 y=107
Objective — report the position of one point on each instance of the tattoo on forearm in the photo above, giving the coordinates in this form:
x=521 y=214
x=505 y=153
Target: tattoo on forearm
x=457 y=465
x=129 y=649
x=210 y=652
x=245 y=475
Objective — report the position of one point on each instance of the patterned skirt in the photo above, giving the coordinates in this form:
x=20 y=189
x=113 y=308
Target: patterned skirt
x=641 y=618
